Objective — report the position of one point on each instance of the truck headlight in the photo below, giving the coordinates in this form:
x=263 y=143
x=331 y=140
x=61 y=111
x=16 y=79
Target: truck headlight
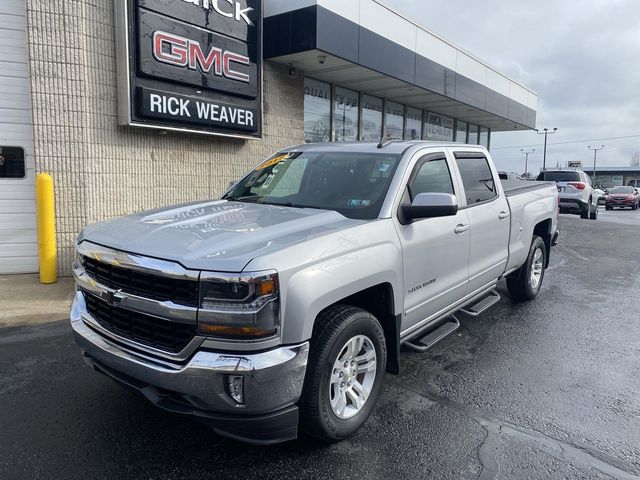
x=242 y=307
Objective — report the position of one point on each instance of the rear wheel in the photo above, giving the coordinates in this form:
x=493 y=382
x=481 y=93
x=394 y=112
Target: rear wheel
x=584 y=213
x=344 y=376
x=524 y=283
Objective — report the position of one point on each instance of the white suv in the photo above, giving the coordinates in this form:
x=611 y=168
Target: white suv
x=577 y=195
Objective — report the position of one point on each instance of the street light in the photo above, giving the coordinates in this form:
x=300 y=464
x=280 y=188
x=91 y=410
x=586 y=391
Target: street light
x=545 y=132
x=526 y=158
x=595 y=155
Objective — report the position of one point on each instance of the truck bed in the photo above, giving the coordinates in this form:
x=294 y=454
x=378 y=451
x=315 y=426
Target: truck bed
x=518 y=187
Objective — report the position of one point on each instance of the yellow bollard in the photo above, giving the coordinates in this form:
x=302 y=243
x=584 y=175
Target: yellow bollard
x=46 y=228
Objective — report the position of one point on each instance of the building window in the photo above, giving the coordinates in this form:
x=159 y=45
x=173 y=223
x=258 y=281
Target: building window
x=317 y=111
x=394 y=121
x=413 y=124
x=484 y=137
x=473 y=134
x=345 y=115
x=12 y=162
x=438 y=127
x=371 y=118
x=461 y=132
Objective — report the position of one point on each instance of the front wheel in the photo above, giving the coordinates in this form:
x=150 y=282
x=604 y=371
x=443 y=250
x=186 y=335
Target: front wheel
x=344 y=376
x=524 y=283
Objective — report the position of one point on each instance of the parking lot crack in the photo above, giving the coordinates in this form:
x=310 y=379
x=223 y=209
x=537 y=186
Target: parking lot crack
x=576 y=455
x=487 y=453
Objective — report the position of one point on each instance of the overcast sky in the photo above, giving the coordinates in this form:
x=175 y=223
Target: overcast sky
x=582 y=58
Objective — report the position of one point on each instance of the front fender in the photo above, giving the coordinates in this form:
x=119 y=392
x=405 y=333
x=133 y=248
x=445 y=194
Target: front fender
x=318 y=286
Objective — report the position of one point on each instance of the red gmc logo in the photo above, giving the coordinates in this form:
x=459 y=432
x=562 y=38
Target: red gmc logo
x=183 y=52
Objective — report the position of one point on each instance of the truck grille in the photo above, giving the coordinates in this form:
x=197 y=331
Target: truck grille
x=156 y=287
x=138 y=327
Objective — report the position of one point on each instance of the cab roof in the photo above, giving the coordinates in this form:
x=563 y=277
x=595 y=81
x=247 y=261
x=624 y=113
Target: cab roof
x=391 y=146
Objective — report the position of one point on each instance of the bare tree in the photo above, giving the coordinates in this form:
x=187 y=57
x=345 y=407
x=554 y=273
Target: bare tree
x=635 y=159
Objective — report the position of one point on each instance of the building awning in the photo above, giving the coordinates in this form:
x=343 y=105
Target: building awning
x=366 y=46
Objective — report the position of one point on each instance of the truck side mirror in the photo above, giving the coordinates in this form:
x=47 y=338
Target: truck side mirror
x=429 y=205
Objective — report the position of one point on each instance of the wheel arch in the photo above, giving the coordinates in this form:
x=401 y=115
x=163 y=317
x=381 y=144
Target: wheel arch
x=379 y=301
x=543 y=230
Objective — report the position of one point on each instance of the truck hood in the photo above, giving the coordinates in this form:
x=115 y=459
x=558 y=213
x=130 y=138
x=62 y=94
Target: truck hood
x=219 y=235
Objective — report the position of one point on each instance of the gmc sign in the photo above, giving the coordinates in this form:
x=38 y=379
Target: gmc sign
x=191 y=65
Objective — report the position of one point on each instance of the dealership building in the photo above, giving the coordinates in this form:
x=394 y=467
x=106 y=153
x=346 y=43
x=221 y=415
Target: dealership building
x=137 y=104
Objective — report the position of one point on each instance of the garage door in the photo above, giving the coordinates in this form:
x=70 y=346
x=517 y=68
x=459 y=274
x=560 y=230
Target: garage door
x=18 y=241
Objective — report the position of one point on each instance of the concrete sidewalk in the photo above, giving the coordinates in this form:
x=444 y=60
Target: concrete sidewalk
x=24 y=300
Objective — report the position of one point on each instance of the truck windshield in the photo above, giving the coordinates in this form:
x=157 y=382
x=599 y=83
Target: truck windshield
x=353 y=184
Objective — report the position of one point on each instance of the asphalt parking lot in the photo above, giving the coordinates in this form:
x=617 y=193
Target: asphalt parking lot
x=545 y=389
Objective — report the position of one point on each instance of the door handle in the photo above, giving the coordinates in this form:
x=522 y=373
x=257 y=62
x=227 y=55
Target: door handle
x=503 y=215
x=461 y=228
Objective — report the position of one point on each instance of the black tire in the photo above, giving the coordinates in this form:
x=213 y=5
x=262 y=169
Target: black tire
x=584 y=213
x=334 y=328
x=594 y=213
x=519 y=282
x=607 y=207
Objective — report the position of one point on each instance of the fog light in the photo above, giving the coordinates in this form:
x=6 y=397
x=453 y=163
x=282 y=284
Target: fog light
x=235 y=388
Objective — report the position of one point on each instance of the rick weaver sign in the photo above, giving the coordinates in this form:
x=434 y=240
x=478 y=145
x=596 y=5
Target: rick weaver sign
x=191 y=65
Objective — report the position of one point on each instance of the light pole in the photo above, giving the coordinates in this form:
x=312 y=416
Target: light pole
x=526 y=158
x=595 y=156
x=545 y=132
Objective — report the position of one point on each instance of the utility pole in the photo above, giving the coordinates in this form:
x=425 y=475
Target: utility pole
x=595 y=156
x=526 y=159
x=545 y=132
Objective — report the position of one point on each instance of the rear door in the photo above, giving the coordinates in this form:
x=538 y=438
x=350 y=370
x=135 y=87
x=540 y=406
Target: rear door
x=488 y=213
x=434 y=256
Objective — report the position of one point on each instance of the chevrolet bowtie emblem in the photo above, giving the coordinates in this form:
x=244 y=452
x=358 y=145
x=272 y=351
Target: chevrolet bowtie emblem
x=114 y=297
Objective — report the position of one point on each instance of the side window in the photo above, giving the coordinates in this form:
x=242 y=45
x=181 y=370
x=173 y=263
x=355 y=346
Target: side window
x=479 y=185
x=432 y=177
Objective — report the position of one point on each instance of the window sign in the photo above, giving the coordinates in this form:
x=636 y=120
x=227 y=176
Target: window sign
x=191 y=66
x=345 y=115
x=413 y=127
x=473 y=134
x=12 y=162
x=317 y=111
x=461 y=132
x=394 y=119
x=371 y=118
x=438 y=127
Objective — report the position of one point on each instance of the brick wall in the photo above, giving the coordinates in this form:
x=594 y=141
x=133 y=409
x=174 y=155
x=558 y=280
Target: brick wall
x=102 y=170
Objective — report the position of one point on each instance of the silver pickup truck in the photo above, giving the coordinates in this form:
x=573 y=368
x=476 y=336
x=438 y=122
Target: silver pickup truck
x=283 y=304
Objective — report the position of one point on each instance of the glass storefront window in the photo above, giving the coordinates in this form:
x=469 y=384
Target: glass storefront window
x=345 y=115
x=438 y=127
x=413 y=125
x=371 y=118
x=317 y=111
x=484 y=137
x=473 y=134
x=394 y=121
x=461 y=132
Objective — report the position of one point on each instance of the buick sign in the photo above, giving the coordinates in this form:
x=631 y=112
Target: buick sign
x=191 y=65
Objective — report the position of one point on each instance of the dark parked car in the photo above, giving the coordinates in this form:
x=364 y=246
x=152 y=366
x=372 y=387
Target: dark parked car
x=623 y=197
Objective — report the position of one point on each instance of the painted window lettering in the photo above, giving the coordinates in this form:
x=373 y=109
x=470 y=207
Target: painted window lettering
x=236 y=11
x=183 y=52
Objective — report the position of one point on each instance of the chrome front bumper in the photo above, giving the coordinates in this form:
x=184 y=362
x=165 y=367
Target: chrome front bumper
x=273 y=379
